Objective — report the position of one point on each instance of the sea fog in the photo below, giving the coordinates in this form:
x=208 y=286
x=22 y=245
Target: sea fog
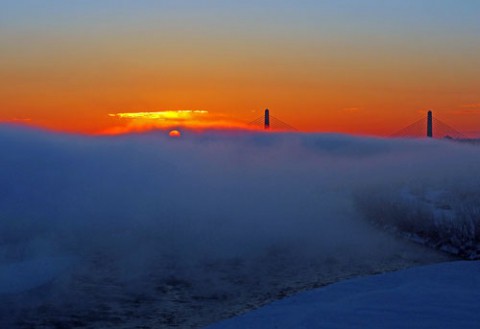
x=129 y=208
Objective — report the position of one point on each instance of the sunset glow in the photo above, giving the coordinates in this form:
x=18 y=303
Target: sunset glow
x=362 y=67
x=174 y=134
x=161 y=115
x=172 y=163
x=192 y=119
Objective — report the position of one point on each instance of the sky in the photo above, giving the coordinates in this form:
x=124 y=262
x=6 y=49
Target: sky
x=349 y=66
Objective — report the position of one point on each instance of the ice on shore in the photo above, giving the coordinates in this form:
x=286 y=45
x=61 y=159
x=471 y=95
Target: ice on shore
x=437 y=296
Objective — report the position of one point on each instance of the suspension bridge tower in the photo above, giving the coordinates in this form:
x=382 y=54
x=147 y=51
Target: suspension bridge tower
x=430 y=124
x=433 y=125
x=269 y=123
x=267 y=119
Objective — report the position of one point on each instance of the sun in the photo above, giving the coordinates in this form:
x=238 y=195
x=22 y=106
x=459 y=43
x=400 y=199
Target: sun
x=174 y=134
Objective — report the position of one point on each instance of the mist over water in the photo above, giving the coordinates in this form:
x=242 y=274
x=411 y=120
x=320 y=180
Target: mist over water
x=147 y=202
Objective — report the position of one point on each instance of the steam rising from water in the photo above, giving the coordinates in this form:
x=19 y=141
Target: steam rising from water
x=140 y=201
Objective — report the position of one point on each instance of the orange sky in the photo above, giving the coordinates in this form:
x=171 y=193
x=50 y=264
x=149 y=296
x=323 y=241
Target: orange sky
x=353 y=79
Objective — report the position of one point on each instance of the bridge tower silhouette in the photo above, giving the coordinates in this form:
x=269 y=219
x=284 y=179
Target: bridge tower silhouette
x=430 y=124
x=269 y=122
x=431 y=127
x=267 y=119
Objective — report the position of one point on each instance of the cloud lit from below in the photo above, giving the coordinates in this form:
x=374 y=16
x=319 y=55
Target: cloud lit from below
x=172 y=119
x=161 y=115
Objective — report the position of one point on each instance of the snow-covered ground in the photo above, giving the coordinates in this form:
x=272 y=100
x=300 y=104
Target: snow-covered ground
x=442 y=296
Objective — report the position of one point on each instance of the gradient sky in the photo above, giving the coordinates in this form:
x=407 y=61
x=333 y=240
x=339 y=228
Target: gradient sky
x=355 y=66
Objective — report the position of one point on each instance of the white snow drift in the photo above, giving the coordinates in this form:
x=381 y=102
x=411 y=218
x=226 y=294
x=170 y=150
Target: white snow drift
x=440 y=296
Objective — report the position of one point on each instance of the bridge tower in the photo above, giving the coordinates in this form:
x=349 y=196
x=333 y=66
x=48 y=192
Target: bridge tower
x=267 y=119
x=430 y=124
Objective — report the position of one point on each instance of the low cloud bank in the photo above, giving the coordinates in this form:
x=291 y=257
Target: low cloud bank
x=142 y=200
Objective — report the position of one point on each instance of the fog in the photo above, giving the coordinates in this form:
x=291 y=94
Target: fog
x=147 y=202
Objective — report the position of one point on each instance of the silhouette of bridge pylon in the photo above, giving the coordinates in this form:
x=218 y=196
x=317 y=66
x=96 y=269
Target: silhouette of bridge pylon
x=269 y=122
x=429 y=126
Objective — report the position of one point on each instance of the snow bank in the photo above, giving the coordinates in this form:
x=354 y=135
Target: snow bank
x=445 y=217
x=436 y=296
